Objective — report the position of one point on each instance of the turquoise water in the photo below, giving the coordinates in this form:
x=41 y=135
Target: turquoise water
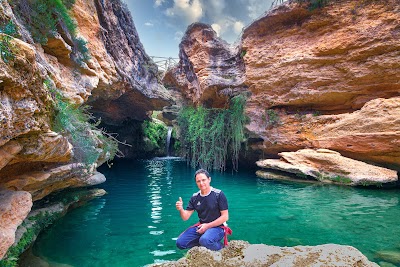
x=136 y=223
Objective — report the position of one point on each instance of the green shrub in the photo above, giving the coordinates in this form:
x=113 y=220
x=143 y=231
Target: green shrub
x=38 y=222
x=75 y=122
x=155 y=132
x=6 y=48
x=82 y=52
x=273 y=117
x=209 y=135
x=312 y=4
x=45 y=17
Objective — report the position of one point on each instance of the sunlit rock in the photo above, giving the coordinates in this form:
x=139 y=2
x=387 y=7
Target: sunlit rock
x=210 y=70
x=8 y=152
x=41 y=183
x=45 y=147
x=241 y=253
x=14 y=207
x=329 y=166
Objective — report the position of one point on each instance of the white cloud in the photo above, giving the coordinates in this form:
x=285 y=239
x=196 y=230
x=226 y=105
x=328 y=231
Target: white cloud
x=217 y=28
x=158 y=3
x=178 y=36
x=149 y=24
x=190 y=11
x=238 y=26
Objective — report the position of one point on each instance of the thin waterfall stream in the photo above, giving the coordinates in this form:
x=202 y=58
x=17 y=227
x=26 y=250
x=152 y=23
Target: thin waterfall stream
x=168 y=143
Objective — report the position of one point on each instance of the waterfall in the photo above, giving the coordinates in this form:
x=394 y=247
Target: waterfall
x=168 y=140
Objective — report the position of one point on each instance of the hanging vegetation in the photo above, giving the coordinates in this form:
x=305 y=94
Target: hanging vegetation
x=90 y=143
x=210 y=136
x=46 y=18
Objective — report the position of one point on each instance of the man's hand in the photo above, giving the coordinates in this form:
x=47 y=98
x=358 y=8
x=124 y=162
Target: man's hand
x=202 y=228
x=179 y=204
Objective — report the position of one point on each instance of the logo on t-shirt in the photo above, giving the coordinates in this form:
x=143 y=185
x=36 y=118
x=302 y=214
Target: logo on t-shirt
x=198 y=203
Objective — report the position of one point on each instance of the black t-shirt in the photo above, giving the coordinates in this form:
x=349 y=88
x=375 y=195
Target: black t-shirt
x=208 y=207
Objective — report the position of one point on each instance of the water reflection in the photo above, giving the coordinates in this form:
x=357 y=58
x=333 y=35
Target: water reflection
x=159 y=186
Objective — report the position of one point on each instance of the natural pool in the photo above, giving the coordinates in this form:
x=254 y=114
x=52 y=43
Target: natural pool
x=136 y=223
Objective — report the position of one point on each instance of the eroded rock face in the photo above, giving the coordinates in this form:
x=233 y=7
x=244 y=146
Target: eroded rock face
x=329 y=78
x=209 y=71
x=240 y=253
x=335 y=58
x=119 y=81
x=44 y=181
x=300 y=65
x=328 y=166
x=127 y=79
x=14 y=207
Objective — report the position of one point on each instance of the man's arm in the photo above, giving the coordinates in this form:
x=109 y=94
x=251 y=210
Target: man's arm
x=185 y=214
x=217 y=222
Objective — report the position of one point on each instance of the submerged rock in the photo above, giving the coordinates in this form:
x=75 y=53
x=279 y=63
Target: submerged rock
x=241 y=253
x=329 y=166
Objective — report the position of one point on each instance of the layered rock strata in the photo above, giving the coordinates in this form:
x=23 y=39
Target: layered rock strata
x=118 y=79
x=240 y=253
x=327 y=78
x=328 y=166
x=14 y=207
x=209 y=69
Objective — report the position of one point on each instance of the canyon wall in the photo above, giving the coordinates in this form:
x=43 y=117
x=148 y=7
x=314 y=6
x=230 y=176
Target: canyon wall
x=117 y=79
x=324 y=78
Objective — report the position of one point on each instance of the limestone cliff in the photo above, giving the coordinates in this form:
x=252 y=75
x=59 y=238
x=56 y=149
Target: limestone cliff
x=326 y=78
x=99 y=61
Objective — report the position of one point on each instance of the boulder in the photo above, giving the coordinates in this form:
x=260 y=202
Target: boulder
x=329 y=166
x=241 y=253
x=14 y=207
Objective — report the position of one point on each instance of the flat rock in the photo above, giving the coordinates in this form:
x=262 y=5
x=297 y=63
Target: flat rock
x=329 y=166
x=241 y=253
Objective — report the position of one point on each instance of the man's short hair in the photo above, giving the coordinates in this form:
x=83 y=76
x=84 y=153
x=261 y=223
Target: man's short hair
x=201 y=171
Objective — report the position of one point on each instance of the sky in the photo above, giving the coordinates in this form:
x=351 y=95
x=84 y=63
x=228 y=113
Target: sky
x=161 y=24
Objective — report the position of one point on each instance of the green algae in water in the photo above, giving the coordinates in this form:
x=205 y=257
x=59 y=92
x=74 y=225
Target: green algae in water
x=136 y=223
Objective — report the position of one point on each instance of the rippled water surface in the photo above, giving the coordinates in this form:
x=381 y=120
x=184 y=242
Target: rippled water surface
x=136 y=223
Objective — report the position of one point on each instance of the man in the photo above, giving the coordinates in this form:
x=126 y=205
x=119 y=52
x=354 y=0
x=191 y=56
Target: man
x=212 y=208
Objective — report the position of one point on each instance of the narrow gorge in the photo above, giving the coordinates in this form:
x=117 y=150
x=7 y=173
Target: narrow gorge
x=322 y=105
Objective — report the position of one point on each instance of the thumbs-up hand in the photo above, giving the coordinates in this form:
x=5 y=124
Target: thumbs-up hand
x=179 y=204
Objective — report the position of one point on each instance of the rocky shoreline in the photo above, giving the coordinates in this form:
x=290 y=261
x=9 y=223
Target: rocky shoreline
x=241 y=253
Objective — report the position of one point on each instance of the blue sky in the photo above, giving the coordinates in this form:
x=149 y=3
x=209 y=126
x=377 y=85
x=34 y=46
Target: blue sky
x=162 y=23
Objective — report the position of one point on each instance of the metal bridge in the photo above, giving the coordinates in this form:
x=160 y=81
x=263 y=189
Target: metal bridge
x=164 y=63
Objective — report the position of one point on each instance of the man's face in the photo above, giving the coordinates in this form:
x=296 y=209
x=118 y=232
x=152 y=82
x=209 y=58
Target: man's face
x=203 y=182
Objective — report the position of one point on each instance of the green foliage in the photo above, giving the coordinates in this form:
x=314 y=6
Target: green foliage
x=9 y=28
x=341 y=179
x=316 y=113
x=273 y=117
x=46 y=17
x=155 y=132
x=208 y=135
x=312 y=4
x=68 y=3
x=75 y=122
x=6 y=48
x=38 y=222
x=82 y=52
x=243 y=53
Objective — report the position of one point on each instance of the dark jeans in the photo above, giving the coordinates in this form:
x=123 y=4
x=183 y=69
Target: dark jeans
x=211 y=239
